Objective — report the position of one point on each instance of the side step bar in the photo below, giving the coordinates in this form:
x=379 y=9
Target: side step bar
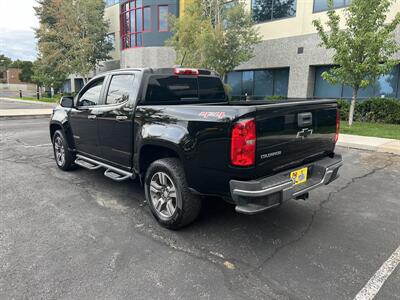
x=111 y=172
x=87 y=165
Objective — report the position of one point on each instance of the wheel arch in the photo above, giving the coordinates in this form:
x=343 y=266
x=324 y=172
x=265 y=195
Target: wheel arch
x=54 y=126
x=151 y=152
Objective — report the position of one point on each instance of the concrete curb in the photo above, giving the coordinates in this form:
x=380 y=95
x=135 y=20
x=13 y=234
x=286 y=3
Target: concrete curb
x=24 y=117
x=369 y=143
x=25 y=113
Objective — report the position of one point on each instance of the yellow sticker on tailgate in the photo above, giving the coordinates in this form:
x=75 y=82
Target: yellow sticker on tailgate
x=299 y=176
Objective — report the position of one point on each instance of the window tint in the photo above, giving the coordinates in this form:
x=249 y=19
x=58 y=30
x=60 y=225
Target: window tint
x=91 y=96
x=211 y=88
x=181 y=88
x=171 y=88
x=121 y=89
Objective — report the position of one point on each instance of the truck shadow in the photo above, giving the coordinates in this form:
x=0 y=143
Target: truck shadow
x=242 y=239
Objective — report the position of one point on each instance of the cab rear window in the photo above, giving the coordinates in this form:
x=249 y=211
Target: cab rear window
x=175 y=89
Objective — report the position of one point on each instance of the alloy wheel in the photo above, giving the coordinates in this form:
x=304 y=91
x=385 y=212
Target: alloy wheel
x=59 y=151
x=163 y=195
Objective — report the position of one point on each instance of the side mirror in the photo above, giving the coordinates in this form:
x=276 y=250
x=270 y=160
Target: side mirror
x=67 y=102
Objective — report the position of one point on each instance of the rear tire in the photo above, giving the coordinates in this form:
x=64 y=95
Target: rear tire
x=168 y=195
x=63 y=156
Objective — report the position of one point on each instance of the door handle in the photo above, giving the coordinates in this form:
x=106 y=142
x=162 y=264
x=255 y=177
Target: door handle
x=304 y=119
x=92 y=117
x=121 y=118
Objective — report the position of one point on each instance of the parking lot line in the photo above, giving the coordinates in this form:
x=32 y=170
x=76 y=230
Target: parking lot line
x=373 y=286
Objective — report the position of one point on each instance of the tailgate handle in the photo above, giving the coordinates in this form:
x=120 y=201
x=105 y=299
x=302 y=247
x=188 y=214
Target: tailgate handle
x=304 y=119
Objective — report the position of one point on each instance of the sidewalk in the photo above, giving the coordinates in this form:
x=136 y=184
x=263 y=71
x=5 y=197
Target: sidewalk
x=369 y=143
x=37 y=113
x=16 y=108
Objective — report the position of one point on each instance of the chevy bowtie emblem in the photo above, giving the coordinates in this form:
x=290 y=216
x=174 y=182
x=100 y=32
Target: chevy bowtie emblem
x=304 y=133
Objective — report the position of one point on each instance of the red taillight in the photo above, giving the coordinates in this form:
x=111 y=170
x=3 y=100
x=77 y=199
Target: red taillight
x=337 y=125
x=243 y=143
x=181 y=71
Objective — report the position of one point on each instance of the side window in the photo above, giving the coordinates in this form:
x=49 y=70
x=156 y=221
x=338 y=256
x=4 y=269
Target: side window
x=121 y=89
x=91 y=96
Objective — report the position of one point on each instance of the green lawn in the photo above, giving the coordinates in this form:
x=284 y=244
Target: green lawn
x=56 y=99
x=390 y=131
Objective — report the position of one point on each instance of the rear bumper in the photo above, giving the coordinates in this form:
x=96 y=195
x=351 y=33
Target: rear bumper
x=256 y=196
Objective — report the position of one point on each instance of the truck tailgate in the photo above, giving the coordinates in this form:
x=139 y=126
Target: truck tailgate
x=293 y=133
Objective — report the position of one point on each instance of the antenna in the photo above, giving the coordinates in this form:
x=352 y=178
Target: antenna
x=183 y=58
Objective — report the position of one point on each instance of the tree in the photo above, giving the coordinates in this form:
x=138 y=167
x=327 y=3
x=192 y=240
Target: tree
x=72 y=36
x=5 y=62
x=26 y=69
x=214 y=34
x=364 y=50
x=45 y=75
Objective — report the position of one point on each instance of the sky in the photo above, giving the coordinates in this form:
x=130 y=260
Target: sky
x=17 y=37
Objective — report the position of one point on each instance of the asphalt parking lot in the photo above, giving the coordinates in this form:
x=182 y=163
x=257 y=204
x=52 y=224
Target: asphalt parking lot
x=79 y=235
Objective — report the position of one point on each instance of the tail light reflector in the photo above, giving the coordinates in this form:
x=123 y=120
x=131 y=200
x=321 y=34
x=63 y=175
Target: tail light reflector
x=182 y=71
x=243 y=143
x=337 y=125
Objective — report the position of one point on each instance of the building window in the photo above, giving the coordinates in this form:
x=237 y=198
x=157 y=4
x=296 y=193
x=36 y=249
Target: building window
x=135 y=19
x=163 y=18
x=385 y=86
x=258 y=84
x=268 y=10
x=146 y=19
x=321 y=5
x=111 y=2
x=111 y=38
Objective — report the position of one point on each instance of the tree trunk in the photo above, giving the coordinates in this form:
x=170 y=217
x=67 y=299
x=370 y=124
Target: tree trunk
x=352 y=106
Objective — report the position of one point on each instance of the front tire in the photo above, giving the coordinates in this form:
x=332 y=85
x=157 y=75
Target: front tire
x=63 y=156
x=168 y=195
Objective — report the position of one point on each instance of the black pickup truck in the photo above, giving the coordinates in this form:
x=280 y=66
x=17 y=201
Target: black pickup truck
x=175 y=130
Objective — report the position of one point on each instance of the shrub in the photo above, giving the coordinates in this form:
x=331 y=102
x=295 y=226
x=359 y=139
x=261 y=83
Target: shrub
x=380 y=110
x=344 y=106
x=275 y=97
x=376 y=110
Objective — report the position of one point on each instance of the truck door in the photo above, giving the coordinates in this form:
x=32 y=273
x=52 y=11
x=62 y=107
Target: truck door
x=116 y=120
x=83 y=118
